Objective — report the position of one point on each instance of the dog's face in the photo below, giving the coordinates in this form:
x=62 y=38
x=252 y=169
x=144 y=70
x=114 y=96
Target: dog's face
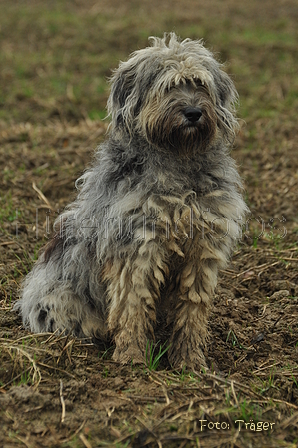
x=175 y=95
x=182 y=119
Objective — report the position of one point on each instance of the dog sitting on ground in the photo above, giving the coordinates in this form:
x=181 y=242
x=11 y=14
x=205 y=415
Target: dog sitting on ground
x=156 y=216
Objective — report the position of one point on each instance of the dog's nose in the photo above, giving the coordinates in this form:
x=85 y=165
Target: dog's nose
x=193 y=114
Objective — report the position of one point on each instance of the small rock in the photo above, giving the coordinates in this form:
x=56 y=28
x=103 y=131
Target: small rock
x=280 y=294
x=285 y=284
x=118 y=383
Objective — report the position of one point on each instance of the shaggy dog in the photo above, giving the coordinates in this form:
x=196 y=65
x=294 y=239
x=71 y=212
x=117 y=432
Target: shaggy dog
x=156 y=216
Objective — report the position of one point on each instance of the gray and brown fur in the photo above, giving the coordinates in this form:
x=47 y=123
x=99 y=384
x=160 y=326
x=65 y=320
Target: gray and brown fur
x=156 y=216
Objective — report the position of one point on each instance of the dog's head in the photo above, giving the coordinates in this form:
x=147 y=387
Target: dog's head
x=175 y=95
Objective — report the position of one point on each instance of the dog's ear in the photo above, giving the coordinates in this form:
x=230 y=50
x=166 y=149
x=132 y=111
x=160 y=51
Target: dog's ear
x=226 y=101
x=130 y=82
x=226 y=89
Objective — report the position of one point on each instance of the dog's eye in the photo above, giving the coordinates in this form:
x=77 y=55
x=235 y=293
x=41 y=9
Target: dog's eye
x=194 y=83
x=171 y=86
x=197 y=82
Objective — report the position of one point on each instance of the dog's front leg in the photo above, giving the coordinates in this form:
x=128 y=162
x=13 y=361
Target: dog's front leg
x=195 y=288
x=133 y=287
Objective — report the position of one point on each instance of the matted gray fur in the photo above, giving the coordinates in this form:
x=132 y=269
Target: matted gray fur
x=138 y=252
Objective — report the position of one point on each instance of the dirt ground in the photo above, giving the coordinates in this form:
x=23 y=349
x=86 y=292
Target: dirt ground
x=56 y=391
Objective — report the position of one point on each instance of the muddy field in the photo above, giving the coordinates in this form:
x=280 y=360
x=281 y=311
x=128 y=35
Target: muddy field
x=56 y=391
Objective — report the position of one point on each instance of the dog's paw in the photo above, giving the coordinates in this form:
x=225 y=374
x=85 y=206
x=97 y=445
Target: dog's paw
x=44 y=319
x=128 y=354
x=191 y=363
x=185 y=355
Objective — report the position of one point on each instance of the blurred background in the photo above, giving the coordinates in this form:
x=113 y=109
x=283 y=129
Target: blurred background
x=57 y=55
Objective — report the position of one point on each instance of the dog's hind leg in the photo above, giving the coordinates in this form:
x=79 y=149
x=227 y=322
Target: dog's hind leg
x=61 y=310
x=57 y=311
x=63 y=297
